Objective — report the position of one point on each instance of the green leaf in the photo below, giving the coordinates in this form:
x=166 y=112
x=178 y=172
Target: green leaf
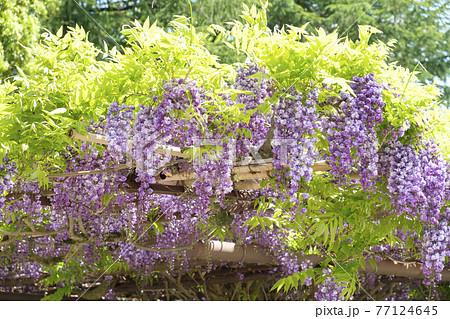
x=159 y=227
x=58 y=111
x=146 y=23
x=59 y=34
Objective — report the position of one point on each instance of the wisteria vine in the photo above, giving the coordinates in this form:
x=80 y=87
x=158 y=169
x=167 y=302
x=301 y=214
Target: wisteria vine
x=97 y=220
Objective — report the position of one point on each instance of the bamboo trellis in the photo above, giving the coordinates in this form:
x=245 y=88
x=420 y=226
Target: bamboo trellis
x=245 y=176
x=226 y=251
x=248 y=177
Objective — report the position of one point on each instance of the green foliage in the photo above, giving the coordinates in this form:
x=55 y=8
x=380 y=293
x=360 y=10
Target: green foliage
x=419 y=28
x=19 y=29
x=292 y=282
x=105 y=20
x=71 y=271
x=70 y=82
x=340 y=225
x=437 y=120
x=61 y=272
x=295 y=58
x=59 y=294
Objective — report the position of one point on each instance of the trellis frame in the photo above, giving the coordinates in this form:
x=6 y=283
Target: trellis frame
x=244 y=177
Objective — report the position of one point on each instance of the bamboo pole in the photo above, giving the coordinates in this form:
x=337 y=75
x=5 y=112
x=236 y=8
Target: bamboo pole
x=101 y=139
x=247 y=185
x=91 y=137
x=92 y=172
x=321 y=166
x=176 y=151
x=245 y=172
x=251 y=171
x=231 y=252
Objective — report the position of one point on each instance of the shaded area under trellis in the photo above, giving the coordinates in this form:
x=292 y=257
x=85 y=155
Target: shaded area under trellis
x=257 y=263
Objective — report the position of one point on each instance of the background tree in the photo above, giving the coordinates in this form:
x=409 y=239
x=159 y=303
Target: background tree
x=20 y=24
x=420 y=28
x=104 y=19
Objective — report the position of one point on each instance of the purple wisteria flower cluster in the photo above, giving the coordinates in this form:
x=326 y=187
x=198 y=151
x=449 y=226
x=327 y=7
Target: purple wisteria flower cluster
x=259 y=123
x=418 y=181
x=16 y=263
x=293 y=147
x=162 y=124
x=405 y=179
x=213 y=172
x=118 y=128
x=116 y=224
x=435 y=248
x=7 y=170
x=275 y=240
x=156 y=125
x=351 y=132
x=329 y=290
